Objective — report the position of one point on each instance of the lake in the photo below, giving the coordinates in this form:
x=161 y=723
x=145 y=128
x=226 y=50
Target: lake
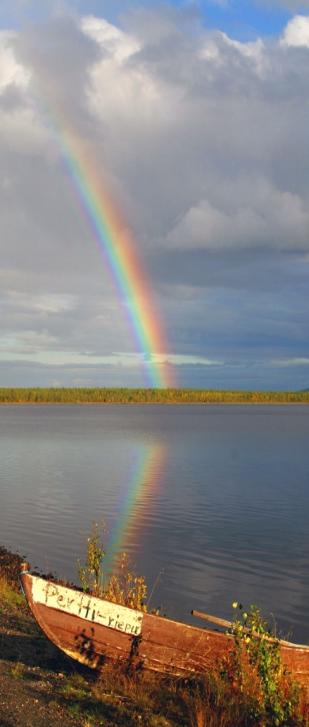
x=211 y=502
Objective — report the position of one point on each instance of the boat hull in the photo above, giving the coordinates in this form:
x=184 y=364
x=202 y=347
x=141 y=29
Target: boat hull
x=94 y=631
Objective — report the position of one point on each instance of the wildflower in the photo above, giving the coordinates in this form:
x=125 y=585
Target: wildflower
x=235 y=604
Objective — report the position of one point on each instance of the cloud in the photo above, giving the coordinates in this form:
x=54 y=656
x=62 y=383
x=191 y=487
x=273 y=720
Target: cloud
x=12 y=73
x=291 y=362
x=185 y=360
x=110 y=39
x=202 y=143
x=249 y=225
x=296 y=33
x=39 y=303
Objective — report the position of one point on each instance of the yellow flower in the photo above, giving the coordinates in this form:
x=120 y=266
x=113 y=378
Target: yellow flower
x=235 y=604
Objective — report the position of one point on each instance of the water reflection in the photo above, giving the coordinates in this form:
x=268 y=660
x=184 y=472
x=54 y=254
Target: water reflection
x=218 y=497
x=136 y=500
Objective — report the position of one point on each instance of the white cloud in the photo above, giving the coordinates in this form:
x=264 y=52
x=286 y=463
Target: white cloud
x=20 y=124
x=12 y=73
x=110 y=39
x=286 y=363
x=296 y=33
x=216 y=48
x=39 y=349
x=123 y=91
x=184 y=360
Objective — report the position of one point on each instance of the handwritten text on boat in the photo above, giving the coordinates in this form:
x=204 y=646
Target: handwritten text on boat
x=92 y=609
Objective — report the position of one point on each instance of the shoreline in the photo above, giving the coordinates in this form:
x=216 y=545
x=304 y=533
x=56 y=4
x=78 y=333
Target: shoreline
x=38 y=679
x=39 y=683
x=154 y=403
x=145 y=397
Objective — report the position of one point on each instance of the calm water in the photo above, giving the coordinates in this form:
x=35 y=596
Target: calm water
x=211 y=502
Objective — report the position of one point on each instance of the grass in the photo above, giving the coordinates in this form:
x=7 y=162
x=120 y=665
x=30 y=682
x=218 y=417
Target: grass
x=147 y=396
x=10 y=598
x=18 y=670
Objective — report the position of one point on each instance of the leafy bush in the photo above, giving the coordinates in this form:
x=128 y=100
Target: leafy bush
x=256 y=671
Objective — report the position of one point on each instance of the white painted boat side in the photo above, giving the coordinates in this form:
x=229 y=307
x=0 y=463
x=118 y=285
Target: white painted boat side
x=87 y=607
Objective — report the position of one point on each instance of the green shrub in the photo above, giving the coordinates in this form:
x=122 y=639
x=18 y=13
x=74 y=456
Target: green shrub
x=256 y=670
x=123 y=586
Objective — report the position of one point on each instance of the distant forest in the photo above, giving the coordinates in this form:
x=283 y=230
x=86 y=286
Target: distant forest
x=147 y=396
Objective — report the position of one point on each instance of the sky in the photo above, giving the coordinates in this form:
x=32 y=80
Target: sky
x=195 y=117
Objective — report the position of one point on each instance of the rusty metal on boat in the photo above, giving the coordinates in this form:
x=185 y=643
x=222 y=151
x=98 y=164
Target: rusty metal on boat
x=94 y=631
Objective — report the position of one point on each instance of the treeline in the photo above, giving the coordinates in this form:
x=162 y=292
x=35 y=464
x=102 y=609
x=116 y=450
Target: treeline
x=147 y=396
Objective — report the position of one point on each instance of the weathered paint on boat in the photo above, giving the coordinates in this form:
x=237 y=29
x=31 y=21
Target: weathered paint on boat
x=93 y=631
x=86 y=606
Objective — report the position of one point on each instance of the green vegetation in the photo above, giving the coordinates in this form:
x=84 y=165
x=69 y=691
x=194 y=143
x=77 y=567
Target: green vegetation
x=148 y=396
x=91 y=573
x=250 y=689
x=256 y=669
x=123 y=586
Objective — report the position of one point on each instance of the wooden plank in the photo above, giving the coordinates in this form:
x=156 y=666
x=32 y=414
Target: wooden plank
x=229 y=625
x=212 y=619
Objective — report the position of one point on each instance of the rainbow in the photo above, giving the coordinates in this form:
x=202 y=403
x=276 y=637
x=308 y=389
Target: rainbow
x=118 y=249
x=113 y=238
x=149 y=461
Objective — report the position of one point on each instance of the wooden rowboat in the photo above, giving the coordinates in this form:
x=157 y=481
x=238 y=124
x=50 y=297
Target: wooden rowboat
x=94 y=631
